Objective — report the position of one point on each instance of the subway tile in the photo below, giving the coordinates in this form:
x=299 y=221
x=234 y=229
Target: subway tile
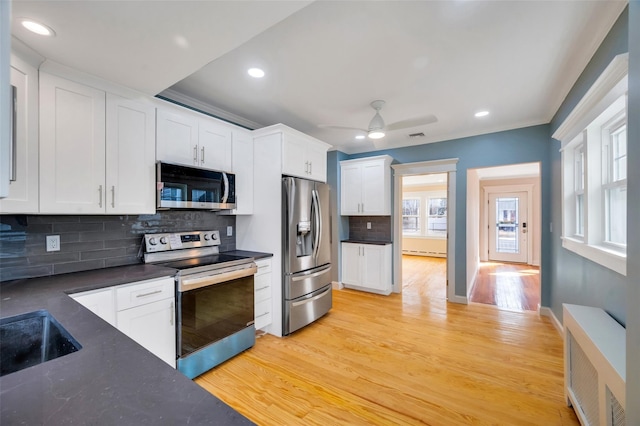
x=7 y=274
x=64 y=268
x=82 y=246
x=53 y=258
x=124 y=242
x=101 y=236
x=78 y=227
x=122 y=260
x=102 y=254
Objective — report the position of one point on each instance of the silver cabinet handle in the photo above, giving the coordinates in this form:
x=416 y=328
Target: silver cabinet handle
x=13 y=155
x=202 y=155
x=149 y=294
x=310 y=167
x=195 y=153
x=100 y=195
x=113 y=197
x=172 y=313
x=306 y=167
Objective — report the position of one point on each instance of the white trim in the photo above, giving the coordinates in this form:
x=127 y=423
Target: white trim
x=426 y=167
x=547 y=312
x=598 y=97
x=602 y=255
x=209 y=109
x=336 y=285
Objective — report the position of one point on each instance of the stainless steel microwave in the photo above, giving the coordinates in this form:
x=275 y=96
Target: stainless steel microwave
x=183 y=187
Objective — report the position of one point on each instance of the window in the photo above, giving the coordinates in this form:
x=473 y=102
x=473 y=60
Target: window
x=437 y=220
x=594 y=171
x=424 y=214
x=411 y=216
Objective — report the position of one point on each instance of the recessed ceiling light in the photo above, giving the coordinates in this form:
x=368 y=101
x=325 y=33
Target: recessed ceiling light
x=37 y=27
x=481 y=113
x=256 y=72
x=360 y=137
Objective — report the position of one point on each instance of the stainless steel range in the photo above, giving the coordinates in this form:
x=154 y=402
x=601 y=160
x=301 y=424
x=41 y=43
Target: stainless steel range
x=214 y=297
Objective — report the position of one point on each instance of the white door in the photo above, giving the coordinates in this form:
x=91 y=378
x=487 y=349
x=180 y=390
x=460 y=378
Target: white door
x=214 y=144
x=372 y=271
x=351 y=260
x=373 y=192
x=152 y=326
x=131 y=153
x=317 y=157
x=177 y=137
x=508 y=227
x=351 y=190
x=294 y=157
x=72 y=147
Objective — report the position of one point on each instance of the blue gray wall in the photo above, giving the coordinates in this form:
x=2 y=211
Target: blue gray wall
x=633 y=220
x=530 y=144
x=575 y=279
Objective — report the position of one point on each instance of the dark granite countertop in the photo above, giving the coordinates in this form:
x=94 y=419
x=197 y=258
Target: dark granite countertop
x=257 y=255
x=111 y=380
x=378 y=243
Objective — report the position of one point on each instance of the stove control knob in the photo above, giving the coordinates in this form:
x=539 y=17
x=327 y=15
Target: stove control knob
x=152 y=241
x=207 y=237
x=214 y=237
x=163 y=240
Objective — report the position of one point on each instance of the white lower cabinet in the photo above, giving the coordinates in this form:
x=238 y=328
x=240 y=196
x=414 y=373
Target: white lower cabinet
x=144 y=311
x=262 y=296
x=367 y=267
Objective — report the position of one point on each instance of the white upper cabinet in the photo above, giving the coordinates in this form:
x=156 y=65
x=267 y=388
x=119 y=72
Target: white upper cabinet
x=365 y=188
x=131 y=149
x=193 y=139
x=23 y=151
x=242 y=167
x=96 y=151
x=72 y=147
x=304 y=156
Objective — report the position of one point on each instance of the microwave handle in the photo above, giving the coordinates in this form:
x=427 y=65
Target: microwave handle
x=225 y=180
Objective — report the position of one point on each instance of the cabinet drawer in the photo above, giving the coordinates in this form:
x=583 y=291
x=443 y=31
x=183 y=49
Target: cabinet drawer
x=264 y=266
x=143 y=292
x=262 y=313
x=262 y=288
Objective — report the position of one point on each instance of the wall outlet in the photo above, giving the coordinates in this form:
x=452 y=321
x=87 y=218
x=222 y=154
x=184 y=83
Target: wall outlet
x=229 y=231
x=53 y=242
x=368 y=225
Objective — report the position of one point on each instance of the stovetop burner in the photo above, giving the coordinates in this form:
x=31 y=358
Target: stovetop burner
x=211 y=260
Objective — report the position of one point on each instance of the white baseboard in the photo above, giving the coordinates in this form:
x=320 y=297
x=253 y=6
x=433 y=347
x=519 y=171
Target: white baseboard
x=547 y=312
x=459 y=299
x=337 y=285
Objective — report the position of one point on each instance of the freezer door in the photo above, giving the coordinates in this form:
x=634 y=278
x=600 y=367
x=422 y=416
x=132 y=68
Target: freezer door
x=303 y=283
x=305 y=310
x=299 y=223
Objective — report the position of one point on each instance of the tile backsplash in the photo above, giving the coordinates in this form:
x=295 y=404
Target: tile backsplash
x=92 y=242
x=380 y=228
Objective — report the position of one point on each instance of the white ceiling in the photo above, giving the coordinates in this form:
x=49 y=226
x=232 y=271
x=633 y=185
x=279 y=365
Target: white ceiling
x=327 y=60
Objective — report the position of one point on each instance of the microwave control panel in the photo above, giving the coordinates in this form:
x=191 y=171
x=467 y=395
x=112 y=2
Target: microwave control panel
x=180 y=240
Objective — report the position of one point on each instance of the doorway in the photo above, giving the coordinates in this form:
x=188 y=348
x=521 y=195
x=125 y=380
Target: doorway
x=504 y=236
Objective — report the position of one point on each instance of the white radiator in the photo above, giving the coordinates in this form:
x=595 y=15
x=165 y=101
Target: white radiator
x=594 y=360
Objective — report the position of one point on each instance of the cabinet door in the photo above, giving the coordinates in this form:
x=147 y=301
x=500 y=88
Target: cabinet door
x=242 y=161
x=130 y=152
x=294 y=156
x=23 y=154
x=373 y=189
x=350 y=190
x=373 y=275
x=152 y=326
x=100 y=302
x=317 y=157
x=177 y=137
x=214 y=145
x=72 y=147
x=351 y=263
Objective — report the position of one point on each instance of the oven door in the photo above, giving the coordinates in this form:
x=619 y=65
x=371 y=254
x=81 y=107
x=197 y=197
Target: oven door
x=192 y=188
x=209 y=314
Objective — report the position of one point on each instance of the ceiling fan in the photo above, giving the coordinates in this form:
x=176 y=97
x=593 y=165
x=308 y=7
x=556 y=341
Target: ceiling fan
x=377 y=128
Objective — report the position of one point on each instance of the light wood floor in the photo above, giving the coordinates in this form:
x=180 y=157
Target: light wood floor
x=507 y=285
x=404 y=359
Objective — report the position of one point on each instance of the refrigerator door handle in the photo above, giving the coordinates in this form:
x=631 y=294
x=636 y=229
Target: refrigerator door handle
x=315 y=274
x=318 y=223
x=302 y=302
x=291 y=195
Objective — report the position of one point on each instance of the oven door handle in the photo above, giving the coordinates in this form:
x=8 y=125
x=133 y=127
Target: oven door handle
x=193 y=283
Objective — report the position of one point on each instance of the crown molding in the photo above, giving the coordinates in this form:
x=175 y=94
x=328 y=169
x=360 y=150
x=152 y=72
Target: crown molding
x=187 y=101
x=600 y=95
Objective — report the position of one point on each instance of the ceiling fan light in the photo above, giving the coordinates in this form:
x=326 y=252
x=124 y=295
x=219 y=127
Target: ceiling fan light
x=376 y=134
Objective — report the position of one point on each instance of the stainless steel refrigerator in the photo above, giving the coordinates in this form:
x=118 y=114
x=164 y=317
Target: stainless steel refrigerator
x=306 y=252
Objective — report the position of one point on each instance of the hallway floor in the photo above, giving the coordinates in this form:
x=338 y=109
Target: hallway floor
x=508 y=286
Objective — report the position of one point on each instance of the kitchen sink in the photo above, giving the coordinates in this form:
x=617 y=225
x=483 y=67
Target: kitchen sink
x=32 y=338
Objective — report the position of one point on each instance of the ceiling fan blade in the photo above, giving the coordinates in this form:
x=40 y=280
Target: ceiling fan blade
x=413 y=122
x=327 y=126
